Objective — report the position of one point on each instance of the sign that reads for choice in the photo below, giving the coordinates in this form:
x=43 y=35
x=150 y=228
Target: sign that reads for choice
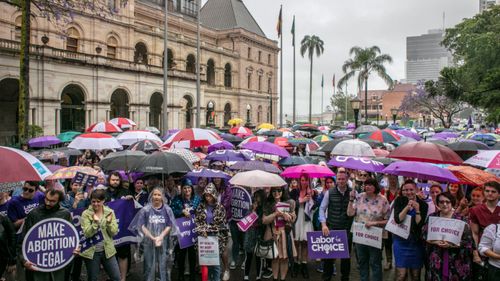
x=369 y=236
x=241 y=203
x=443 y=229
x=50 y=243
x=334 y=246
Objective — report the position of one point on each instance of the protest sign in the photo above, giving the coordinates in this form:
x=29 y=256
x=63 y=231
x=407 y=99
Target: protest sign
x=334 y=246
x=402 y=230
x=50 y=243
x=369 y=236
x=247 y=221
x=284 y=208
x=187 y=236
x=241 y=203
x=85 y=243
x=443 y=229
x=208 y=250
x=85 y=180
x=125 y=211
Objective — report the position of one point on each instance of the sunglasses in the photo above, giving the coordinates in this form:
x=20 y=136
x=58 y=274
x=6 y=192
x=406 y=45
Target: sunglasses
x=363 y=175
x=277 y=190
x=25 y=189
x=444 y=202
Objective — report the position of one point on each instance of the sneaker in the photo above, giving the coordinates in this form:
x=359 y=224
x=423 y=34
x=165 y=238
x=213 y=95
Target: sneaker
x=232 y=265
x=225 y=277
x=267 y=273
x=334 y=270
x=320 y=267
x=243 y=262
x=246 y=278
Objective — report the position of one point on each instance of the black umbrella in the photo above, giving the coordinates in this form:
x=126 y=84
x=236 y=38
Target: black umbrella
x=121 y=160
x=145 y=145
x=467 y=146
x=255 y=165
x=297 y=160
x=272 y=133
x=69 y=151
x=163 y=163
x=329 y=145
x=231 y=138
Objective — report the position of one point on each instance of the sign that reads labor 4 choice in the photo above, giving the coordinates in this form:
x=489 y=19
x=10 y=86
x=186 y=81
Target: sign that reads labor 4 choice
x=334 y=246
x=50 y=243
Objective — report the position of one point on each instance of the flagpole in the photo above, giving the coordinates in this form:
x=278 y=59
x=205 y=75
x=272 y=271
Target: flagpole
x=164 y=122
x=281 y=71
x=322 y=99
x=294 y=105
x=346 y=98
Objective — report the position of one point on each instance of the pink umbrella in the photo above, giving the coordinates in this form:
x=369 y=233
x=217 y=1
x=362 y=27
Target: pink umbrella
x=18 y=165
x=191 y=138
x=123 y=122
x=311 y=170
x=95 y=141
x=103 y=127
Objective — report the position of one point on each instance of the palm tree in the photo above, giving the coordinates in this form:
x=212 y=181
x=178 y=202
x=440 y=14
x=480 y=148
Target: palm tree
x=364 y=62
x=311 y=44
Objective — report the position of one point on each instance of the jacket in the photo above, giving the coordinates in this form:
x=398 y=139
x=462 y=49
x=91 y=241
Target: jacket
x=218 y=226
x=90 y=228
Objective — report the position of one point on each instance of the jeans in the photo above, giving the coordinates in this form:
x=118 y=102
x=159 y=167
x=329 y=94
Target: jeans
x=369 y=258
x=110 y=266
x=214 y=273
x=345 y=265
x=155 y=259
x=238 y=237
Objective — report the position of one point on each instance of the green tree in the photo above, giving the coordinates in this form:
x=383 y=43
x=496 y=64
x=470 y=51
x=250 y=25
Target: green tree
x=365 y=62
x=311 y=44
x=338 y=102
x=475 y=45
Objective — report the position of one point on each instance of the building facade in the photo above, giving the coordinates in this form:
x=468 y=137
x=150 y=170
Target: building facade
x=486 y=4
x=94 y=69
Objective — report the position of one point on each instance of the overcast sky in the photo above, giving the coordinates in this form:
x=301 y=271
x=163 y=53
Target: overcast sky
x=342 y=24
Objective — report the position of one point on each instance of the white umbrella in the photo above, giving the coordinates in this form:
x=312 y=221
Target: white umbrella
x=486 y=159
x=130 y=137
x=95 y=141
x=186 y=154
x=257 y=179
x=353 y=148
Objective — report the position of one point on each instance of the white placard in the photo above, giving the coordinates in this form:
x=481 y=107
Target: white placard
x=208 y=250
x=402 y=230
x=443 y=229
x=369 y=236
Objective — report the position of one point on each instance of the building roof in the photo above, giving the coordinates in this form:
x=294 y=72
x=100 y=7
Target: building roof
x=228 y=14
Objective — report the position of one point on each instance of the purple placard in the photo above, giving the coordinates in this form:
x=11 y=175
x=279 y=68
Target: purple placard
x=85 y=243
x=187 y=236
x=50 y=243
x=241 y=203
x=426 y=188
x=335 y=246
x=85 y=179
x=125 y=211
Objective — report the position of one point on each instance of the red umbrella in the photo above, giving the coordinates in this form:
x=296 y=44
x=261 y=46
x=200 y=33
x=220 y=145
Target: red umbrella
x=241 y=131
x=281 y=141
x=123 y=122
x=191 y=138
x=426 y=152
x=384 y=136
x=103 y=127
x=18 y=165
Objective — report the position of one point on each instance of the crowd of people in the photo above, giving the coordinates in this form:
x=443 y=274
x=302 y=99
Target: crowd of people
x=311 y=204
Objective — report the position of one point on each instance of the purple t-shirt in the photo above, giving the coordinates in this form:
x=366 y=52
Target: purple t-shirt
x=20 y=207
x=210 y=214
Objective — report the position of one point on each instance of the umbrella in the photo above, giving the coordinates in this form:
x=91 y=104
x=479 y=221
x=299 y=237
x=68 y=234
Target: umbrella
x=103 y=127
x=281 y=141
x=365 y=129
x=472 y=176
x=308 y=127
x=231 y=138
x=153 y=130
x=266 y=126
x=266 y=148
x=384 y=160
x=163 y=163
x=445 y=135
x=257 y=179
x=420 y=170
x=311 y=170
x=123 y=122
x=223 y=145
x=54 y=168
x=322 y=138
x=201 y=155
x=227 y=155
x=253 y=139
x=121 y=160
x=404 y=140
x=235 y=122
x=270 y=133
x=372 y=143
x=130 y=137
x=356 y=163
x=380 y=152
x=408 y=133
x=426 y=152
x=206 y=173
x=353 y=148
x=44 y=141
x=437 y=141
x=146 y=146
x=467 y=145
x=69 y=151
x=383 y=136
x=241 y=131
x=186 y=154
x=68 y=136
x=486 y=159
x=48 y=154
x=351 y=126
x=95 y=141
x=297 y=141
x=328 y=146
x=70 y=172
x=294 y=161
x=255 y=165
x=324 y=128
x=341 y=134
x=191 y=138
x=18 y=165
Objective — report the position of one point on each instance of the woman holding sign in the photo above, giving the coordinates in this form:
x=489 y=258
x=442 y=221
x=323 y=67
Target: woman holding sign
x=372 y=210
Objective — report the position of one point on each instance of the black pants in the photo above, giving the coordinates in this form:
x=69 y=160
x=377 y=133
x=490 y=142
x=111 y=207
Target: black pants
x=345 y=266
x=248 y=264
x=493 y=273
x=181 y=261
x=3 y=266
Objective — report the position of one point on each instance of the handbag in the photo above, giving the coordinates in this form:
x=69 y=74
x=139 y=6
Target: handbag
x=266 y=248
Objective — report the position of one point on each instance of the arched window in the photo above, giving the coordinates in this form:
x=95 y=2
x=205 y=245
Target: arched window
x=111 y=46
x=227 y=113
x=249 y=80
x=260 y=83
x=190 y=64
x=259 y=114
x=211 y=72
x=227 y=76
x=170 y=59
x=119 y=104
x=17 y=34
x=141 y=53
x=72 y=39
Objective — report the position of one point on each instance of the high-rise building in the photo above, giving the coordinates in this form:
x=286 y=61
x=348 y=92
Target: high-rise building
x=425 y=57
x=485 y=4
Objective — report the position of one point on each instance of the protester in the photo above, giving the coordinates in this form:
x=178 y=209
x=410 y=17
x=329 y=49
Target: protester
x=20 y=206
x=76 y=198
x=140 y=193
x=445 y=260
x=224 y=197
x=461 y=201
x=7 y=245
x=253 y=234
x=278 y=221
x=4 y=199
x=372 y=209
x=490 y=248
x=408 y=253
x=434 y=190
x=391 y=192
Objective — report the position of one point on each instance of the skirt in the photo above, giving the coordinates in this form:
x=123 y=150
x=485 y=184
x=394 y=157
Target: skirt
x=285 y=246
x=408 y=253
x=302 y=227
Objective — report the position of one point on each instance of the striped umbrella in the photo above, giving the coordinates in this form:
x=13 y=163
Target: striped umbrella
x=186 y=154
x=191 y=138
x=253 y=139
x=95 y=141
x=146 y=145
x=70 y=172
x=322 y=138
x=18 y=165
x=130 y=137
x=241 y=131
x=383 y=136
x=103 y=127
x=123 y=122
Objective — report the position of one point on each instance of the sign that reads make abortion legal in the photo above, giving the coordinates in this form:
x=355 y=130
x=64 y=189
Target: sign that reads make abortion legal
x=241 y=203
x=50 y=243
x=333 y=246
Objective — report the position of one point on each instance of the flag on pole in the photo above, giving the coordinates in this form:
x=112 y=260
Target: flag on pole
x=333 y=80
x=293 y=31
x=322 y=80
x=278 y=25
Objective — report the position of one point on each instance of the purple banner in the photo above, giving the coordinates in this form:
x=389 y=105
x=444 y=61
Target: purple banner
x=85 y=243
x=426 y=188
x=50 y=243
x=187 y=236
x=334 y=246
x=241 y=203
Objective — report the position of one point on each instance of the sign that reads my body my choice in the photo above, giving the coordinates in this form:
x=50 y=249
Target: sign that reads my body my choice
x=50 y=243
x=334 y=246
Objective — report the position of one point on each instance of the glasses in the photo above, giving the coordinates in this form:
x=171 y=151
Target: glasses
x=363 y=175
x=25 y=189
x=444 y=202
x=277 y=190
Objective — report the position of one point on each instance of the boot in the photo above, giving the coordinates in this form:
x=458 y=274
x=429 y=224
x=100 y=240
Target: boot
x=305 y=270
x=295 y=269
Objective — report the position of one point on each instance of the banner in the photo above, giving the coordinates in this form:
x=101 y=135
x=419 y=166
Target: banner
x=241 y=203
x=208 y=250
x=334 y=246
x=50 y=243
x=85 y=243
x=369 y=236
x=187 y=236
x=402 y=230
x=443 y=229
x=247 y=222
x=284 y=208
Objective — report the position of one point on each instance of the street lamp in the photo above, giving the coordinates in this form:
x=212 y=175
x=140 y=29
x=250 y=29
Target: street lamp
x=355 y=104
x=248 y=113
x=98 y=49
x=394 y=112
x=386 y=118
x=45 y=39
x=210 y=109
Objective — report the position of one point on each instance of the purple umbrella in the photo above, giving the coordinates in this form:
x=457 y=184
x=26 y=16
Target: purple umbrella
x=266 y=148
x=170 y=133
x=206 y=173
x=420 y=170
x=44 y=141
x=351 y=126
x=357 y=163
x=53 y=168
x=227 y=155
x=255 y=165
x=445 y=135
x=223 y=145
x=408 y=133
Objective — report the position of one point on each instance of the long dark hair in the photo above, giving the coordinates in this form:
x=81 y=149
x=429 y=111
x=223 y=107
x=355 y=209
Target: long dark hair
x=270 y=202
